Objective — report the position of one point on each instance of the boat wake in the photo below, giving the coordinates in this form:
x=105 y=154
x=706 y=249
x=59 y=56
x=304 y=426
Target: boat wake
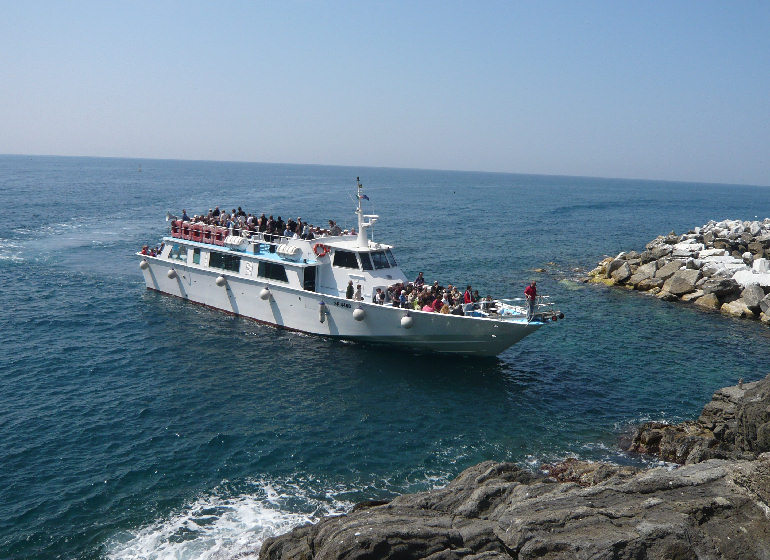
x=215 y=526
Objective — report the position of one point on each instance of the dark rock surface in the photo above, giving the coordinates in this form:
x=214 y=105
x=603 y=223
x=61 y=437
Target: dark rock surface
x=711 y=507
x=714 y=509
x=734 y=425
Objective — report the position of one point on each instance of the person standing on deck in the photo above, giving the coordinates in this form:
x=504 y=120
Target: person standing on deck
x=349 y=291
x=468 y=295
x=531 y=294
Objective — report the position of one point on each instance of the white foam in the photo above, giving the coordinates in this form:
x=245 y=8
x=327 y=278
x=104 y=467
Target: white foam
x=215 y=527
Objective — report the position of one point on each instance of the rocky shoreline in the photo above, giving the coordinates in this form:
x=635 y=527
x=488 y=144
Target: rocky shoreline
x=716 y=505
x=722 y=266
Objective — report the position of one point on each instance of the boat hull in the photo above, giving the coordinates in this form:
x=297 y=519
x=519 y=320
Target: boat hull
x=300 y=310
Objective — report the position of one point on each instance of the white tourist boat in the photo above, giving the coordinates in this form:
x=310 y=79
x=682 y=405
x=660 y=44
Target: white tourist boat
x=301 y=285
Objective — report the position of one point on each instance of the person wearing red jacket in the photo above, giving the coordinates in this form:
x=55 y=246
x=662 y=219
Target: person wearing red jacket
x=531 y=294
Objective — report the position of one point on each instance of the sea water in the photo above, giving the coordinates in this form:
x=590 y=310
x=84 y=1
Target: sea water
x=134 y=425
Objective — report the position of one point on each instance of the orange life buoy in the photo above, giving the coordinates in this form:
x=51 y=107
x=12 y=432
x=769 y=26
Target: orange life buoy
x=321 y=250
x=196 y=234
x=186 y=230
x=176 y=228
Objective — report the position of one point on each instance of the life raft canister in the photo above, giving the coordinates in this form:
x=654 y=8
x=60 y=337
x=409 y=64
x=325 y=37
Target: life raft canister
x=176 y=228
x=208 y=234
x=186 y=230
x=220 y=234
x=321 y=250
x=197 y=233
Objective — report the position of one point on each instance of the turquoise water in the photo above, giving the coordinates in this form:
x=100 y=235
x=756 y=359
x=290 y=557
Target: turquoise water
x=139 y=426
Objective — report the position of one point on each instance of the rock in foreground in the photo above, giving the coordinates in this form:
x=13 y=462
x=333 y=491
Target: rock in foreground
x=716 y=506
x=714 y=509
x=734 y=425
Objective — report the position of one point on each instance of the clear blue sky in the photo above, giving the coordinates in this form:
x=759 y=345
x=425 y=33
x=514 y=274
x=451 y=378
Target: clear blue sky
x=673 y=90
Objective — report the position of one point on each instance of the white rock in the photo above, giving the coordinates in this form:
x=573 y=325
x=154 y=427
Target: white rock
x=746 y=277
x=761 y=265
x=711 y=253
x=687 y=249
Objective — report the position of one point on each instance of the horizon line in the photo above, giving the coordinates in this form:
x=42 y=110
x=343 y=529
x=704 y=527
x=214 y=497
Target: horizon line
x=602 y=177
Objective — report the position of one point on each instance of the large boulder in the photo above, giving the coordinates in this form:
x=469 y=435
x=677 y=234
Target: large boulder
x=734 y=425
x=621 y=273
x=613 y=265
x=717 y=270
x=714 y=509
x=748 y=276
x=643 y=272
x=667 y=270
x=687 y=249
x=721 y=287
x=682 y=282
x=708 y=301
x=649 y=284
x=661 y=251
x=692 y=296
x=737 y=309
x=752 y=295
x=756 y=248
x=764 y=305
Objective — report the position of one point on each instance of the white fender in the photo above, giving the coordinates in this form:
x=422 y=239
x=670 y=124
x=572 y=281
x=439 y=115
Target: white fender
x=221 y=280
x=144 y=265
x=359 y=313
x=407 y=321
x=171 y=273
x=265 y=293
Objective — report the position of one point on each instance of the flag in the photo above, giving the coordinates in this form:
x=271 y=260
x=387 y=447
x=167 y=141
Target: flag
x=363 y=196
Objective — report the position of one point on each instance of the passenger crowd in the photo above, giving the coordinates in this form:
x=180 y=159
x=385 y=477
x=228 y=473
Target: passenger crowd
x=152 y=251
x=420 y=296
x=240 y=221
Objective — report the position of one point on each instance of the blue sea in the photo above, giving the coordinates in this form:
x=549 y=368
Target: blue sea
x=134 y=425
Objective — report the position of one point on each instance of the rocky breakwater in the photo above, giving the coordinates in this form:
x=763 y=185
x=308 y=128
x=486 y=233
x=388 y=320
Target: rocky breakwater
x=709 y=508
x=723 y=266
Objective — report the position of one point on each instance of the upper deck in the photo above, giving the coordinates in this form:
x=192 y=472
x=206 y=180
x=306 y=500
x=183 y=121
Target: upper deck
x=330 y=261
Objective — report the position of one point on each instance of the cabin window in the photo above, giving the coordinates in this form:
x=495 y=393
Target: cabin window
x=196 y=256
x=178 y=252
x=273 y=271
x=226 y=262
x=380 y=260
x=309 y=283
x=365 y=261
x=391 y=258
x=345 y=259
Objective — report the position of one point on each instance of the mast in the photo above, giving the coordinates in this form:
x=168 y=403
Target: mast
x=363 y=241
